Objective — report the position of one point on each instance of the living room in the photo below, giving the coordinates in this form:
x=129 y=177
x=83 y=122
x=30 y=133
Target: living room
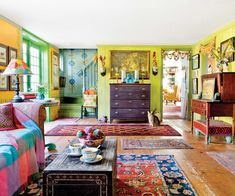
x=84 y=89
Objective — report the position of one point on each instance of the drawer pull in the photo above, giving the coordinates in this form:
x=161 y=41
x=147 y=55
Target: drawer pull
x=142 y=112
x=143 y=89
x=116 y=95
x=130 y=110
x=143 y=103
x=116 y=88
x=142 y=95
x=116 y=112
x=130 y=94
x=130 y=101
x=116 y=103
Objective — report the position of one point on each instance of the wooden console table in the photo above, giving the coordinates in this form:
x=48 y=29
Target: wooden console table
x=211 y=109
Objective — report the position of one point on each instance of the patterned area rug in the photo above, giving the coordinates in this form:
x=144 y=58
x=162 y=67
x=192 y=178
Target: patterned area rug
x=139 y=175
x=226 y=159
x=150 y=175
x=132 y=144
x=116 y=130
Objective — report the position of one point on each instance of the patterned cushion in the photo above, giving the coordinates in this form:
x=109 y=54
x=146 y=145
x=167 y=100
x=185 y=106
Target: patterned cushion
x=89 y=100
x=6 y=117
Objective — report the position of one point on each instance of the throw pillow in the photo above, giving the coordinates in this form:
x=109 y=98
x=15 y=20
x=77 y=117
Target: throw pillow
x=89 y=100
x=6 y=117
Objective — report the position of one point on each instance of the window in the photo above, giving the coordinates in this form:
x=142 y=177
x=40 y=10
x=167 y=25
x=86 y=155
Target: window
x=31 y=55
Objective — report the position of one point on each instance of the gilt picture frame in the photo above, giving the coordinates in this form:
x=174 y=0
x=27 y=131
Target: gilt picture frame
x=4 y=82
x=195 y=86
x=196 y=61
x=55 y=70
x=12 y=83
x=12 y=53
x=130 y=60
x=226 y=49
x=3 y=55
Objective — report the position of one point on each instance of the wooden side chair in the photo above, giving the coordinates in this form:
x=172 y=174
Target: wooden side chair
x=89 y=105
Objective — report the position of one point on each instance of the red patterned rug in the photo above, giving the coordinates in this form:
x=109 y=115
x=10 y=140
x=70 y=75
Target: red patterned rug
x=116 y=130
x=140 y=144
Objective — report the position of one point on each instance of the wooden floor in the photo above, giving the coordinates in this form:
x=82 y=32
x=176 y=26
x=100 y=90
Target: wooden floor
x=207 y=176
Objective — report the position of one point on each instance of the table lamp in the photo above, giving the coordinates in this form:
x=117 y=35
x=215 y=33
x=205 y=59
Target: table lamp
x=17 y=67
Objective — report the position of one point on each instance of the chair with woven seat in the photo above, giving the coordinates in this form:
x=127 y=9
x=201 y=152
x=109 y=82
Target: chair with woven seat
x=90 y=104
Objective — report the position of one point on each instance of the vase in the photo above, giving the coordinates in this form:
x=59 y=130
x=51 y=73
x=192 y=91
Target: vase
x=123 y=75
x=41 y=96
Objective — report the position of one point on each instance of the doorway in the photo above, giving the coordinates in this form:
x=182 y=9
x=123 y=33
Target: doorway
x=175 y=84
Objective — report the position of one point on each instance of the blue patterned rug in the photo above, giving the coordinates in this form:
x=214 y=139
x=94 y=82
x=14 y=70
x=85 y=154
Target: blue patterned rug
x=150 y=175
x=138 y=175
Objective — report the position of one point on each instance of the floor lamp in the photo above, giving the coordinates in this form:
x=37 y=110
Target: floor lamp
x=17 y=67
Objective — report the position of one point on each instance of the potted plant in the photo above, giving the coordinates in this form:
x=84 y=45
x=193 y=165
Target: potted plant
x=41 y=91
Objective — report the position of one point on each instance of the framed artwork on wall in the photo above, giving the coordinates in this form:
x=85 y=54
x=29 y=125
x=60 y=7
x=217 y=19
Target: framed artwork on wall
x=196 y=61
x=3 y=55
x=227 y=49
x=130 y=60
x=195 y=86
x=208 y=88
x=4 y=84
x=12 y=53
x=55 y=70
x=12 y=83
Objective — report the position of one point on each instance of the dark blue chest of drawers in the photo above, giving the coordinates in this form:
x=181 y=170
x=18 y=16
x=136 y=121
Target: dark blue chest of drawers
x=129 y=101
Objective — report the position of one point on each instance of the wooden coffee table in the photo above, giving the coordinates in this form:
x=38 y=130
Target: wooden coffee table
x=68 y=175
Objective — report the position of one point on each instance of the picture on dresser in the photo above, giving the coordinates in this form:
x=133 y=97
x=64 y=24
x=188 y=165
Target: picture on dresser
x=208 y=88
x=129 y=60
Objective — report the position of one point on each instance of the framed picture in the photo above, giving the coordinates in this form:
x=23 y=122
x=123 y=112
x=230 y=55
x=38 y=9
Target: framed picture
x=12 y=82
x=227 y=49
x=130 y=60
x=3 y=55
x=55 y=70
x=4 y=84
x=196 y=61
x=12 y=53
x=195 y=86
x=208 y=88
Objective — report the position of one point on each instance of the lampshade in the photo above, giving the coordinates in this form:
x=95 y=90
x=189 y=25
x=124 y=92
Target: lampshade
x=17 y=67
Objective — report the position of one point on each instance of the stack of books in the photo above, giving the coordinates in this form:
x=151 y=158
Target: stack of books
x=29 y=95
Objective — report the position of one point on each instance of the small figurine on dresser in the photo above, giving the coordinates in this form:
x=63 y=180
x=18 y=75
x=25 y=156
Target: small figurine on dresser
x=130 y=79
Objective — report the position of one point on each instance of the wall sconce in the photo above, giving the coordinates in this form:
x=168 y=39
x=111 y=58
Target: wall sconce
x=154 y=67
x=102 y=69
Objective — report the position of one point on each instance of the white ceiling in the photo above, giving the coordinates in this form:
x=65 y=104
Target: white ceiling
x=87 y=23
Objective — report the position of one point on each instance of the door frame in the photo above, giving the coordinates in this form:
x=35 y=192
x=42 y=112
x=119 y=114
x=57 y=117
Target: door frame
x=189 y=98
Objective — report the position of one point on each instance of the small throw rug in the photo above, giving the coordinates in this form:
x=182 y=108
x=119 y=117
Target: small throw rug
x=226 y=159
x=132 y=144
x=116 y=130
x=150 y=175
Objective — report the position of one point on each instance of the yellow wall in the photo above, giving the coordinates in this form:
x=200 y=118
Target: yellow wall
x=10 y=35
x=155 y=81
x=220 y=35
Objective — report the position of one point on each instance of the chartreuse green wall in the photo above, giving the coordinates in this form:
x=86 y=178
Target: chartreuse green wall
x=220 y=35
x=155 y=81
